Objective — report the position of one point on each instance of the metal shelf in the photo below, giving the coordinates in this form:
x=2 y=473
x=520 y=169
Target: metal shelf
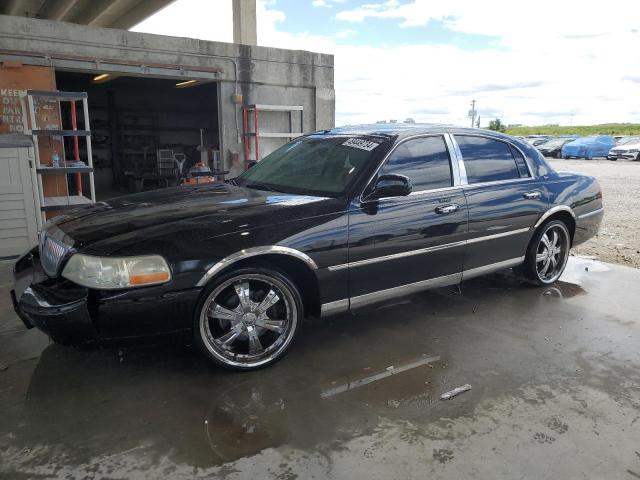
x=56 y=95
x=64 y=202
x=62 y=133
x=255 y=135
x=52 y=170
x=275 y=108
x=67 y=200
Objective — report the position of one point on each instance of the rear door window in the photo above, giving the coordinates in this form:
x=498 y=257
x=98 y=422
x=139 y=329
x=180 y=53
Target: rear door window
x=521 y=163
x=486 y=159
x=424 y=160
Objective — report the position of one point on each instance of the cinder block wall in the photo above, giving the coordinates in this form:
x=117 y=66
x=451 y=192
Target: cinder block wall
x=262 y=75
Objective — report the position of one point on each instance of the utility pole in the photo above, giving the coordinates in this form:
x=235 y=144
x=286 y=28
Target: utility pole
x=478 y=122
x=472 y=113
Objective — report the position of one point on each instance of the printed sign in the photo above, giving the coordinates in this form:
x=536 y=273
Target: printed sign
x=361 y=144
x=11 y=113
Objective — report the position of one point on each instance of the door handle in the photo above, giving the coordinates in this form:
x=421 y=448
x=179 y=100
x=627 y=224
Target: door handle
x=445 y=209
x=531 y=195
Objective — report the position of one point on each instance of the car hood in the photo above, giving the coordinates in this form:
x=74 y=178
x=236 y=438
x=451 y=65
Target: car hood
x=203 y=211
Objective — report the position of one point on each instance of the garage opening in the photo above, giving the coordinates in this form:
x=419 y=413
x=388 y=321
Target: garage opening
x=147 y=133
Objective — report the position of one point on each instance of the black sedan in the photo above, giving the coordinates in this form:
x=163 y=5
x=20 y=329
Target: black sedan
x=330 y=222
x=553 y=147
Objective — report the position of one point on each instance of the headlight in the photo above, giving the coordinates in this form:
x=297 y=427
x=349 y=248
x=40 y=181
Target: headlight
x=633 y=150
x=116 y=272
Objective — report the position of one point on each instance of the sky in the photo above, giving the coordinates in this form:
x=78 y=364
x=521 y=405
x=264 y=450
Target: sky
x=561 y=61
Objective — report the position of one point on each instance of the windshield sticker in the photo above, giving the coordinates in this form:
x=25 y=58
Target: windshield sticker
x=361 y=144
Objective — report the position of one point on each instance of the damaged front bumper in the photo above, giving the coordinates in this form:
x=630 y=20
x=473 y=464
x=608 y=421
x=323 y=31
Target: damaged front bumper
x=58 y=308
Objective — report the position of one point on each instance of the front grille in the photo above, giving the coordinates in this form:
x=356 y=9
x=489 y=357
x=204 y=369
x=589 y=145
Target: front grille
x=52 y=253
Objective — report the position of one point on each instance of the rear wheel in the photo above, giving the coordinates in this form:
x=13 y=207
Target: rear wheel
x=248 y=318
x=547 y=253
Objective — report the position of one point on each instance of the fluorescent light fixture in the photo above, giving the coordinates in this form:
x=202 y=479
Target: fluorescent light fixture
x=186 y=84
x=104 y=77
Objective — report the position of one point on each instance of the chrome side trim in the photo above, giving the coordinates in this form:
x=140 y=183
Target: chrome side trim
x=591 y=214
x=458 y=158
x=498 y=235
x=492 y=267
x=435 y=248
x=435 y=190
x=455 y=161
x=396 y=255
x=497 y=182
x=382 y=295
x=551 y=211
x=252 y=252
x=333 y=308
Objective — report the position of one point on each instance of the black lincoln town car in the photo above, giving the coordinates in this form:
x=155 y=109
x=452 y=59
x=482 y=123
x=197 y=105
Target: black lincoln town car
x=330 y=222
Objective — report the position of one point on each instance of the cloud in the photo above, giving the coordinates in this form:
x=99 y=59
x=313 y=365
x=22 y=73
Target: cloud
x=430 y=111
x=534 y=75
x=325 y=3
x=349 y=32
x=494 y=87
x=552 y=113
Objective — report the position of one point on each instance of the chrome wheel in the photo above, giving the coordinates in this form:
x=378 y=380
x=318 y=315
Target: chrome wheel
x=552 y=253
x=248 y=320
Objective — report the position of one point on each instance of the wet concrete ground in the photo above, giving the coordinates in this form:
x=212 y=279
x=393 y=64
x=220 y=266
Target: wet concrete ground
x=555 y=375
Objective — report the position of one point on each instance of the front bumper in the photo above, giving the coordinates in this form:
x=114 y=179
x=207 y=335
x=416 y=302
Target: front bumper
x=622 y=156
x=57 y=307
x=75 y=315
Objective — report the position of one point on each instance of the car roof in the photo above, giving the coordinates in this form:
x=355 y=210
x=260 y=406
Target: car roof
x=402 y=130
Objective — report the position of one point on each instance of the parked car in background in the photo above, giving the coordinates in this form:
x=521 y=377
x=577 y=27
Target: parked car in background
x=589 y=147
x=536 y=140
x=553 y=147
x=331 y=222
x=628 y=149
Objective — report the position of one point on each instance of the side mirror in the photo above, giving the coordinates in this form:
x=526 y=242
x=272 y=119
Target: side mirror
x=390 y=186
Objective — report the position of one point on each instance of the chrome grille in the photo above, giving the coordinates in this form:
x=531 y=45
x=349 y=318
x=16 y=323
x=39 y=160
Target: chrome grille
x=52 y=253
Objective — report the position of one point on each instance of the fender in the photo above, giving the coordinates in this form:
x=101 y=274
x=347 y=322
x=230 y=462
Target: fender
x=252 y=252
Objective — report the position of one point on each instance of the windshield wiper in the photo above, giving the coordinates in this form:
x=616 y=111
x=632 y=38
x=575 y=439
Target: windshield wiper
x=260 y=186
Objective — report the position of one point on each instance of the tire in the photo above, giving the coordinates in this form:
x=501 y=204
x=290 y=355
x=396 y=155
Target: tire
x=558 y=154
x=637 y=159
x=237 y=327
x=538 y=255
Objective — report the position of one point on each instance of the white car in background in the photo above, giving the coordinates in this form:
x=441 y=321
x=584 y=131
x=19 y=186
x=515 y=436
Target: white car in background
x=628 y=148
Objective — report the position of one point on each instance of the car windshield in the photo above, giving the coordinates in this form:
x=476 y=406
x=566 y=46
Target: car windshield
x=628 y=140
x=556 y=142
x=317 y=165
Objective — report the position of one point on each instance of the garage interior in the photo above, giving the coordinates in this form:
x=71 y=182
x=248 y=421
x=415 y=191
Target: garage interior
x=146 y=131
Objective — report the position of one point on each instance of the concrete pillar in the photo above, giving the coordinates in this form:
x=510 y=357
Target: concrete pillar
x=244 y=22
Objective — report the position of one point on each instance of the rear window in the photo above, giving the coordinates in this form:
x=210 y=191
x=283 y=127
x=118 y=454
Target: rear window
x=487 y=160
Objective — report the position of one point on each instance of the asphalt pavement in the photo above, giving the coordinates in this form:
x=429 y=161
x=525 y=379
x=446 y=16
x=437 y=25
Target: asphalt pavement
x=554 y=375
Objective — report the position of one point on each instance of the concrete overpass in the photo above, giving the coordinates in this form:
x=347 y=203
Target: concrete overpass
x=122 y=14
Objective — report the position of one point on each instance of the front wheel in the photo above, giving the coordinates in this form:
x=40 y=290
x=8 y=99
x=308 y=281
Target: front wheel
x=248 y=318
x=547 y=253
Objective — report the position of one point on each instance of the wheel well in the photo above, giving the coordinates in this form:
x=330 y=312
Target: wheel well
x=568 y=220
x=300 y=273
